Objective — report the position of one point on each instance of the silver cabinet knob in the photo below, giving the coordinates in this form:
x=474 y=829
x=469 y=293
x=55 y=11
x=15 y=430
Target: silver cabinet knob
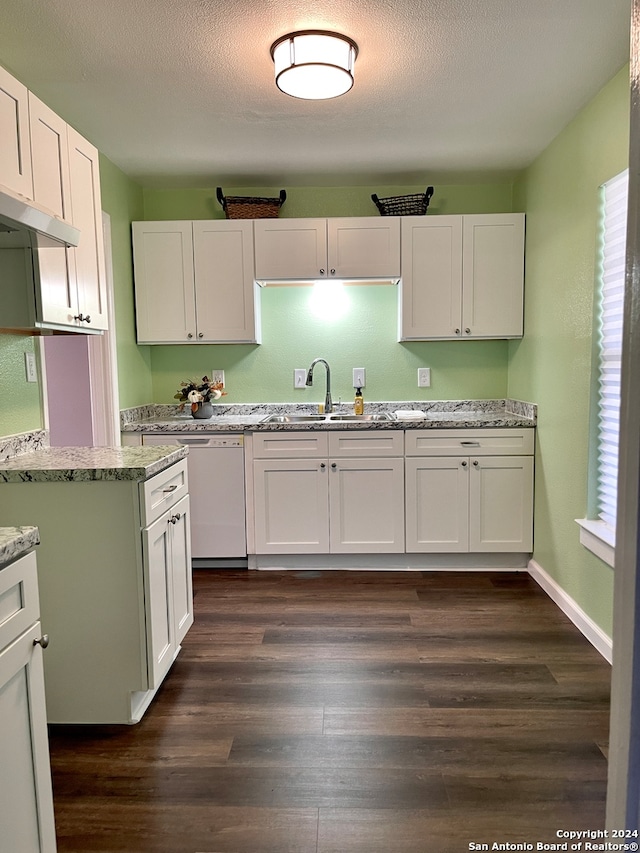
x=201 y=334
x=174 y=518
x=476 y=463
x=189 y=335
x=322 y=465
x=333 y=272
x=457 y=331
x=42 y=641
x=87 y=319
x=464 y=463
x=467 y=331
x=334 y=465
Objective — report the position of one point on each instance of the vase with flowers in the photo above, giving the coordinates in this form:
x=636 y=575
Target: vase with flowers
x=199 y=396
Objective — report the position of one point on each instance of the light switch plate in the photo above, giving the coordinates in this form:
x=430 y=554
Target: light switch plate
x=217 y=376
x=424 y=377
x=30 y=366
x=299 y=377
x=359 y=377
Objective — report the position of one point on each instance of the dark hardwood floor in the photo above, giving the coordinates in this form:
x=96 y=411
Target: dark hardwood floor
x=350 y=712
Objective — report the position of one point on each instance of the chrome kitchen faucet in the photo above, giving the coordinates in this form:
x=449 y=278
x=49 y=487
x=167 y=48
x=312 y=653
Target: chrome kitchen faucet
x=328 y=404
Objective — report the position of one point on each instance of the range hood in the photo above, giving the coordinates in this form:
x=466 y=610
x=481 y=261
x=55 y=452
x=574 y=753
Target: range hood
x=26 y=216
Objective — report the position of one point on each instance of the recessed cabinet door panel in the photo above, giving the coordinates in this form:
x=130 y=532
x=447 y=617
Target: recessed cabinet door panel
x=26 y=802
x=366 y=506
x=15 y=152
x=161 y=642
x=86 y=207
x=501 y=503
x=291 y=506
x=431 y=287
x=181 y=566
x=290 y=248
x=493 y=263
x=224 y=281
x=364 y=247
x=437 y=504
x=165 y=300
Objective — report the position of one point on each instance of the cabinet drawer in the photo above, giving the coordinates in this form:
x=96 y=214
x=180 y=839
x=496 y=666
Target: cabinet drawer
x=475 y=442
x=366 y=443
x=289 y=445
x=19 y=605
x=159 y=493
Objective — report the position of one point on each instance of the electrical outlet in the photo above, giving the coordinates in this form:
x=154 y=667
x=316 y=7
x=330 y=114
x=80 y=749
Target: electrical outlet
x=424 y=377
x=359 y=377
x=30 y=366
x=299 y=377
x=217 y=376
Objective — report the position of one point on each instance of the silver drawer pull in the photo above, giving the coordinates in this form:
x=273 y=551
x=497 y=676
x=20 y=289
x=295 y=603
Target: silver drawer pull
x=470 y=443
x=169 y=489
x=42 y=641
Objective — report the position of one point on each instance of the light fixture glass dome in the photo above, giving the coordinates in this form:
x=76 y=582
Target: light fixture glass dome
x=313 y=64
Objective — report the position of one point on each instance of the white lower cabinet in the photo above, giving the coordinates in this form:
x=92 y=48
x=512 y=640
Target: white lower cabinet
x=115 y=588
x=339 y=493
x=481 y=503
x=26 y=802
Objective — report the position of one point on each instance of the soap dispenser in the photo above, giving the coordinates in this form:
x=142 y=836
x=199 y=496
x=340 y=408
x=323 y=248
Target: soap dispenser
x=358 y=403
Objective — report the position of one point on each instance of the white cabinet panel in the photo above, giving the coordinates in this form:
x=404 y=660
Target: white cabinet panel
x=366 y=505
x=501 y=504
x=15 y=151
x=341 y=248
x=437 y=504
x=462 y=277
x=291 y=506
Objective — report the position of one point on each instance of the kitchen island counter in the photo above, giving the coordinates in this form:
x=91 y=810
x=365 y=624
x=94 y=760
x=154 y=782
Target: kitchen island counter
x=82 y=464
x=16 y=541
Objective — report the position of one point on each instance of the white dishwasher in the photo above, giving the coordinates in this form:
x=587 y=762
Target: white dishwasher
x=216 y=487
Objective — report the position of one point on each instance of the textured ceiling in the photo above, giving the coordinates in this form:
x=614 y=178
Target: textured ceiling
x=180 y=93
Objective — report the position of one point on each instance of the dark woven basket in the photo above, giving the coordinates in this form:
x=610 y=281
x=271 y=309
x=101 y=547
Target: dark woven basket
x=404 y=205
x=250 y=207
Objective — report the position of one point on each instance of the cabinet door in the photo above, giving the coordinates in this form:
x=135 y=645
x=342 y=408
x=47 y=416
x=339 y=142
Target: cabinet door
x=291 y=506
x=290 y=249
x=366 y=501
x=437 y=504
x=165 y=296
x=58 y=296
x=493 y=270
x=501 y=503
x=364 y=247
x=26 y=802
x=225 y=290
x=430 y=291
x=86 y=208
x=182 y=584
x=158 y=586
x=15 y=150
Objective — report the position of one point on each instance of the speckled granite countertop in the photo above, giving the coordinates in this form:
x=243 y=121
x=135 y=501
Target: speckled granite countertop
x=89 y=463
x=16 y=541
x=242 y=417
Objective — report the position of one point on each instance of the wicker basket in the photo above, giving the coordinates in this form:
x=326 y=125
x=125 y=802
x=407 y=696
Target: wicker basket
x=250 y=207
x=404 y=205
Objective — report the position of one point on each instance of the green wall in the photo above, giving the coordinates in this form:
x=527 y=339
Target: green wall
x=122 y=200
x=20 y=407
x=551 y=365
x=365 y=336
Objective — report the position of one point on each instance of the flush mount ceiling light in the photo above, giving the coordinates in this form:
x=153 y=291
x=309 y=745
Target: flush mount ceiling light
x=314 y=64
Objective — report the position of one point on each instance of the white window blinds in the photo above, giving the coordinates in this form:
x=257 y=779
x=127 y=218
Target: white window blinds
x=614 y=233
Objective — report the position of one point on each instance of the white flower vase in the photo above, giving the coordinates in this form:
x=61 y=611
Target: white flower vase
x=204 y=410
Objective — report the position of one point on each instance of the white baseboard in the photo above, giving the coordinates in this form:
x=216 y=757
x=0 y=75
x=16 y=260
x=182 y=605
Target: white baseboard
x=596 y=636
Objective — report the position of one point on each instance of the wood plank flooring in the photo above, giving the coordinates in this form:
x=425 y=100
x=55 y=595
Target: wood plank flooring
x=350 y=712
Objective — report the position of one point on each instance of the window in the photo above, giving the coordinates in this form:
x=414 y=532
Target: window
x=613 y=234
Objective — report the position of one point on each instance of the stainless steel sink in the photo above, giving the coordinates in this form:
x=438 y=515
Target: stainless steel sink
x=293 y=419
x=373 y=416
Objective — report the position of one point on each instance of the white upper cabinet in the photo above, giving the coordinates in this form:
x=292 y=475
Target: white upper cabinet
x=462 y=277
x=15 y=156
x=341 y=248
x=194 y=282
